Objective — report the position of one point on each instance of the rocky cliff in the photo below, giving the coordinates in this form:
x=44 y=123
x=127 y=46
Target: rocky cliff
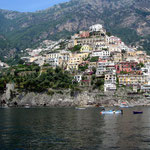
x=84 y=98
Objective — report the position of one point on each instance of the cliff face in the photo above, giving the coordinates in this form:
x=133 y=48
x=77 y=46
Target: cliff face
x=85 y=98
x=128 y=19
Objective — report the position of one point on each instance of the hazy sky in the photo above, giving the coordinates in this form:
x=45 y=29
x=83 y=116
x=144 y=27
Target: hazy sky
x=28 y=5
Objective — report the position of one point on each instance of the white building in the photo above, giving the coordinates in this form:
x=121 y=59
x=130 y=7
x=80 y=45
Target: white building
x=65 y=55
x=132 y=58
x=53 y=62
x=102 y=68
x=100 y=46
x=146 y=72
x=40 y=60
x=78 y=78
x=96 y=28
x=53 y=55
x=101 y=54
x=114 y=48
x=109 y=87
x=114 y=40
x=110 y=79
x=34 y=52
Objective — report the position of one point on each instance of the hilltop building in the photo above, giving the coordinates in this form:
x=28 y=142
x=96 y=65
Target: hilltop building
x=93 y=54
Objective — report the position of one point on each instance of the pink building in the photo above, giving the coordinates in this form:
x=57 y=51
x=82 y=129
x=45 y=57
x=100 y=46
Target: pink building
x=125 y=66
x=115 y=40
x=84 y=34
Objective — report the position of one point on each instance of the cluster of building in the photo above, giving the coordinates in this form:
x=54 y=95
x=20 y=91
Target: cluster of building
x=103 y=55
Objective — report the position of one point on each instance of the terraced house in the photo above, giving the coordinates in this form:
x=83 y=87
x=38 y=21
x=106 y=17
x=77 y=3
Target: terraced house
x=131 y=79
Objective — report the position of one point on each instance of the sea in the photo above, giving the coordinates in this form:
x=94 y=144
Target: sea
x=74 y=129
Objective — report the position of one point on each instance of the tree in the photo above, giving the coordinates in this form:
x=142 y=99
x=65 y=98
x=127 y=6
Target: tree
x=94 y=70
x=83 y=67
x=140 y=65
x=108 y=33
x=76 y=48
x=94 y=59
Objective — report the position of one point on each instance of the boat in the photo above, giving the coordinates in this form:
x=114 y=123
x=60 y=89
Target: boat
x=112 y=112
x=137 y=112
x=124 y=106
x=80 y=108
x=27 y=106
x=5 y=106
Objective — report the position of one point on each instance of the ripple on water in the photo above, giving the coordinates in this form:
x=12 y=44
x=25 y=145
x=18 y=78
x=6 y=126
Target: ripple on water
x=69 y=129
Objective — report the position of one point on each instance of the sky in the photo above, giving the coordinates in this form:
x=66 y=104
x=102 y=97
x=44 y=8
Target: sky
x=28 y=5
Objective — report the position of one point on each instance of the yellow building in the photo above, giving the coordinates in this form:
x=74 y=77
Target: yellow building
x=147 y=59
x=136 y=53
x=117 y=57
x=76 y=59
x=140 y=53
x=85 y=48
x=131 y=53
x=132 y=79
x=75 y=42
x=92 y=65
x=32 y=59
x=114 y=48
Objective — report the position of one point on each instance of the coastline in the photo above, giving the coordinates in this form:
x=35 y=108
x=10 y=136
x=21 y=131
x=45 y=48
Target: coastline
x=81 y=99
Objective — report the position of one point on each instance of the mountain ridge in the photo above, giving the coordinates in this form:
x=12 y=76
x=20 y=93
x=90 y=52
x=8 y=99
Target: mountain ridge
x=128 y=19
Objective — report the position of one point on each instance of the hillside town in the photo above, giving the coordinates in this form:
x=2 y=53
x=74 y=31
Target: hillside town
x=96 y=54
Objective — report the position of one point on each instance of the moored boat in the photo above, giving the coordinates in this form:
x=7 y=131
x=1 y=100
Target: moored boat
x=124 y=106
x=137 y=112
x=27 y=106
x=80 y=108
x=5 y=106
x=112 y=112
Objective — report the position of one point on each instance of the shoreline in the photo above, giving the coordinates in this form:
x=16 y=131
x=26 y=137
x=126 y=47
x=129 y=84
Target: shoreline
x=73 y=106
x=80 y=99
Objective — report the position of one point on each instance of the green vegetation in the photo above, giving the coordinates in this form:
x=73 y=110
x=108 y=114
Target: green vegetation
x=29 y=78
x=108 y=33
x=94 y=70
x=94 y=59
x=32 y=78
x=124 y=72
x=99 y=84
x=87 y=58
x=2 y=84
x=62 y=45
x=140 y=65
x=83 y=67
x=76 y=48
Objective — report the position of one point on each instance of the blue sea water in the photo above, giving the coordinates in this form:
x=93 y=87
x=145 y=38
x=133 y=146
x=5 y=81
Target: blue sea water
x=71 y=129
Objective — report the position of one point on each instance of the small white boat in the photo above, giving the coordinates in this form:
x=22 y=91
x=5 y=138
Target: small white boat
x=5 y=106
x=80 y=108
x=124 y=106
x=27 y=106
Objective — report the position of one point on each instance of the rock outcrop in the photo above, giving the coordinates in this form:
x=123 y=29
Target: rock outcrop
x=84 y=98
